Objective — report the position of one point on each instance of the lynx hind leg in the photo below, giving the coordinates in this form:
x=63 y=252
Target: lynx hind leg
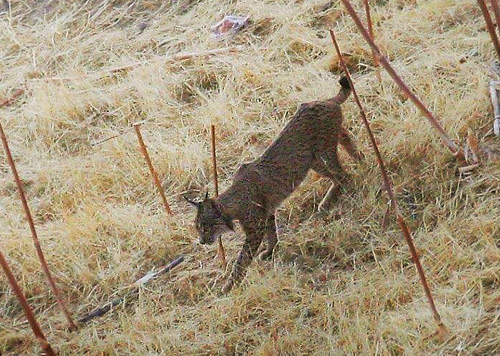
x=272 y=238
x=346 y=141
x=254 y=230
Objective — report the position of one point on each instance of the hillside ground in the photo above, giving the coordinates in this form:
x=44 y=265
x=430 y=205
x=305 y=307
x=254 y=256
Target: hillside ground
x=339 y=284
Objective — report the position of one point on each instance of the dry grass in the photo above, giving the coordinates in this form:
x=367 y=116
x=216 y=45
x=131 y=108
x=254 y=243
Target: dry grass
x=338 y=284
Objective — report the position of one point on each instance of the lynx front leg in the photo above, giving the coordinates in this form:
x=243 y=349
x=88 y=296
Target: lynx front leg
x=349 y=145
x=254 y=235
x=272 y=238
x=330 y=167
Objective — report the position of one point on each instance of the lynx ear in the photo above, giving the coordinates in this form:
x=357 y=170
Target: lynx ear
x=192 y=202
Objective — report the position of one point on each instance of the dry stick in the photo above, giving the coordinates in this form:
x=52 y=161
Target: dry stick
x=418 y=103
x=496 y=107
x=139 y=283
x=221 y=252
x=370 y=29
x=214 y=160
x=108 y=138
x=496 y=11
x=10 y=100
x=390 y=192
x=38 y=248
x=151 y=169
x=115 y=135
x=172 y=59
x=26 y=308
x=489 y=25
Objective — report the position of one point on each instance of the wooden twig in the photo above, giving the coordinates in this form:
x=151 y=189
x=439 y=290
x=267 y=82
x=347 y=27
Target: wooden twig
x=390 y=192
x=136 y=285
x=109 y=138
x=496 y=107
x=10 y=100
x=220 y=251
x=370 y=30
x=214 y=161
x=38 y=248
x=171 y=59
x=151 y=169
x=408 y=92
x=496 y=12
x=489 y=25
x=26 y=308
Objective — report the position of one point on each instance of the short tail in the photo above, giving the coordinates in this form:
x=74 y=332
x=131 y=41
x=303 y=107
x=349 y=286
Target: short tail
x=344 y=91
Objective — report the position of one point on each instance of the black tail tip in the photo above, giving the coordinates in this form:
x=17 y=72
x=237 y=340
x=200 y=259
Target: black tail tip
x=344 y=83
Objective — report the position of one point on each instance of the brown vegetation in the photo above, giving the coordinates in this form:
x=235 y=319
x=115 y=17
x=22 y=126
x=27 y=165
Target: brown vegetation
x=338 y=284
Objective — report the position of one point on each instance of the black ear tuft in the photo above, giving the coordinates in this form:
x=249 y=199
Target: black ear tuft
x=206 y=195
x=192 y=202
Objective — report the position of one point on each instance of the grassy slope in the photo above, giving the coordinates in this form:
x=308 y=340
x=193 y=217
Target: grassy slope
x=338 y=284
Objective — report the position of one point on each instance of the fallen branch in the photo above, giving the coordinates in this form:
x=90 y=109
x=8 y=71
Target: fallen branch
x=34 y=235
x=408 y=92
x=220 y=251
x=392 y=196
x=109 y=138
x=116 y=135
x=136 y=285
x=172 y=59
x=489 y=25
x=151 y=169
x=496 y=107
x=26 y=308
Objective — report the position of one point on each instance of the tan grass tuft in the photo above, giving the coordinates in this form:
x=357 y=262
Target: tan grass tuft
x=338 y=284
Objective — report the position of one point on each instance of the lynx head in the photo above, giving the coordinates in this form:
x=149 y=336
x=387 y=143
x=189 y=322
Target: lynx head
x=210 y=221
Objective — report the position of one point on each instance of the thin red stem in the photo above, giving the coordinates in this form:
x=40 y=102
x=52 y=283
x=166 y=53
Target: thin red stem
x=388 y=187
x=496 y=11
x=156 y=180
x=221 y=251
x=370 y=30
x=489 y=25
x=214 y=161
x=402 y=85
x=34 y=235
x=26 y=307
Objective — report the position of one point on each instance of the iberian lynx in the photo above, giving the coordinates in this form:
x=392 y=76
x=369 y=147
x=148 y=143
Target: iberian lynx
x=309 y=141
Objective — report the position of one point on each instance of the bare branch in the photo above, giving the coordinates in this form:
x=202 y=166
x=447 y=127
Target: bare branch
x=26 y=308
x=38 y=248
x=489 y=25
x=397 y=79
x=390 y=192
x=156 y=180
x=220 y=251
x=370 y=29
